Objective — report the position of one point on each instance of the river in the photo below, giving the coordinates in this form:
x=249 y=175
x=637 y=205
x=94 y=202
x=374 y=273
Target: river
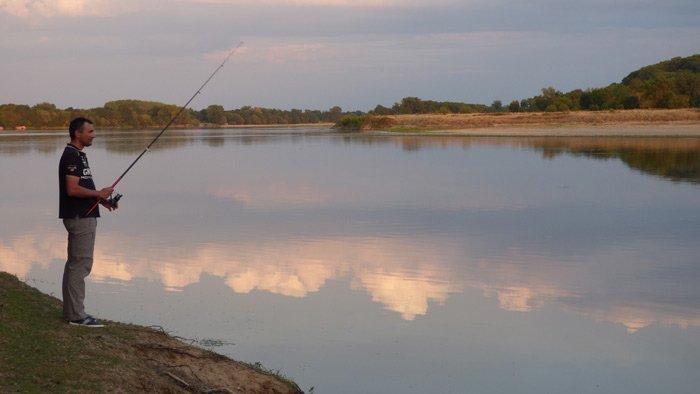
x=383 y=263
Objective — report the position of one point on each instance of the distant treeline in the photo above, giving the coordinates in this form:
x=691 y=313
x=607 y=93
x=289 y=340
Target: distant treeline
x=145 y=114
x=414 y=105
x=215 y=114
x=673 y=83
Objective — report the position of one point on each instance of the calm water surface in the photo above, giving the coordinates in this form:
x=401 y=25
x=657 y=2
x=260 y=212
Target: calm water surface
x=389 y=264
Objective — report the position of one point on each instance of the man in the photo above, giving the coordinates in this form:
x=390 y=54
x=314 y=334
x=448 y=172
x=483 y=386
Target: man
x=77 y=196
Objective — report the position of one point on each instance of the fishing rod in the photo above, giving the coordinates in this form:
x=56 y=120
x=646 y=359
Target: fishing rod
x=115 y=199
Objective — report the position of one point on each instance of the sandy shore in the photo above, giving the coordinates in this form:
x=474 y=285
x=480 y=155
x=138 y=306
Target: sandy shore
x=675 y=130
x=628 y=123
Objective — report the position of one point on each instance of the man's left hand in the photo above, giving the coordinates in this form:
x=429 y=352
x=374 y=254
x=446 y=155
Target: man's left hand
x=108 y=205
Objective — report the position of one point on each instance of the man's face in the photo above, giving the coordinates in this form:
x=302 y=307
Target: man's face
x=86 y=134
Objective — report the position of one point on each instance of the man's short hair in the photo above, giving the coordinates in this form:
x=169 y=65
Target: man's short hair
x=77 y=124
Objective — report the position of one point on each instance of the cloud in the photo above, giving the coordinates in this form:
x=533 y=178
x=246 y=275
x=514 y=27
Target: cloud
x=408 y=295
x=517 y=298
x=636 y=314
x=306 y=277
x=328 y=3
x=19 y=255
x=60 y=8
x=384 y=268
x=485 y=37
x=275 y=54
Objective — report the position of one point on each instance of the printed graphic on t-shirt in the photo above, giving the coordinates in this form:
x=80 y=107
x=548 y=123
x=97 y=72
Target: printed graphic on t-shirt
x=87 y=174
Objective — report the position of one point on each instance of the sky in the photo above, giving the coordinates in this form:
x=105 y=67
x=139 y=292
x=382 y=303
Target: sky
x=316 y=54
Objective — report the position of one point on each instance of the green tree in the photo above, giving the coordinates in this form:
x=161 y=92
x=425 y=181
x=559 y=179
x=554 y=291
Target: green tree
x=497 y=106
x=410 y=105
x=334 y=114
x=215 y=114
x=514 y=106
x=234 y=118
x=382 y=110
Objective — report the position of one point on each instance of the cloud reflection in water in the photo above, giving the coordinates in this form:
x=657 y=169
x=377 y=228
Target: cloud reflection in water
x=384 y=268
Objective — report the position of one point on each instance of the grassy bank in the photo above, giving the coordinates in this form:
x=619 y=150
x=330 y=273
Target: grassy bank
x=40 y=353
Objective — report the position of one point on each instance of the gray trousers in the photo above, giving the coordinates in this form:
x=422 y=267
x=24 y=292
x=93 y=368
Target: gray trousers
x=81 y=245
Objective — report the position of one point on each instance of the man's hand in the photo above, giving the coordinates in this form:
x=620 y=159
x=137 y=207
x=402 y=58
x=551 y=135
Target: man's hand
x=112 y=202
x=105 y=193
x=108 y=205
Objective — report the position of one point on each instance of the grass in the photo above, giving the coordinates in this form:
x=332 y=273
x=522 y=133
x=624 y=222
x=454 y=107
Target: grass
x=39 y=352
x=258 y=367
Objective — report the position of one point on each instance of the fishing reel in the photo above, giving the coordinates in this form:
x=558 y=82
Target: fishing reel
x=112 y=201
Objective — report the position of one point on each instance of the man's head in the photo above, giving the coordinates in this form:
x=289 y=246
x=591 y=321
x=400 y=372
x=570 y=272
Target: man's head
x=81 y=132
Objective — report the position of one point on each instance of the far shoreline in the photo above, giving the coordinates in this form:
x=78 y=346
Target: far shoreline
x=614 y=123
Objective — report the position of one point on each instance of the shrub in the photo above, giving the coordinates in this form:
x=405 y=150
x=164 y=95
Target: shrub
x=364 y=122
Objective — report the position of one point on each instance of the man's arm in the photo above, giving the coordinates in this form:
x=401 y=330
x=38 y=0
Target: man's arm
x=73 y=189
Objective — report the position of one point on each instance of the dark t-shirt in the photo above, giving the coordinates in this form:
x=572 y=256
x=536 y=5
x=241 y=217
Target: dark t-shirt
x=74 y=162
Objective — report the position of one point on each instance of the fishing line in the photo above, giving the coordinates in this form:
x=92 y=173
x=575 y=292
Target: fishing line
x=147 y=149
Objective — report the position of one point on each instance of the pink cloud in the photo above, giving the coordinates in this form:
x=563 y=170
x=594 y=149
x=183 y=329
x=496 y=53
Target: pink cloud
x=62 y=8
